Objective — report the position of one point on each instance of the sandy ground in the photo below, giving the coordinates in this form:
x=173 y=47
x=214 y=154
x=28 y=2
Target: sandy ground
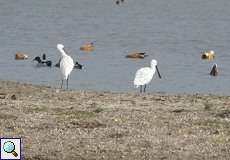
x=86 y=125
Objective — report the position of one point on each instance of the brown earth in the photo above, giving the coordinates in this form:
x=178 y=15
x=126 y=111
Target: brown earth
x=56 y=124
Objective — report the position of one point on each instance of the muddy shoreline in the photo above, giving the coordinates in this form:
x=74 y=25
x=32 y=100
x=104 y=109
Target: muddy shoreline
x=85 y=125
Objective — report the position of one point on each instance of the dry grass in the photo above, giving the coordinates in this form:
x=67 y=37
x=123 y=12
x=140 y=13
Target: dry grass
x=57 y=124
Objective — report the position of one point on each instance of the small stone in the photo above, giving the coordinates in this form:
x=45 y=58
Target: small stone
x=216 y=132
x=13 y=97
x=2 y=96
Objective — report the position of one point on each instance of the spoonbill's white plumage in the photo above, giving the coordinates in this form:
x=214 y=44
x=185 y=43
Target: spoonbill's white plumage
x=66 y=64
x=144 y=75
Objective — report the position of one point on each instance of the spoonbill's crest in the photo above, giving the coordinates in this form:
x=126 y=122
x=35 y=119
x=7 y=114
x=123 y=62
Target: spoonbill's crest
x=153 y=63
x=60 y=46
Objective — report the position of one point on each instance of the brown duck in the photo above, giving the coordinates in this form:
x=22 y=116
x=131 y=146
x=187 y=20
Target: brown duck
x=20 y=56
x=138 y=55
x=209 y=55
x=87 y=47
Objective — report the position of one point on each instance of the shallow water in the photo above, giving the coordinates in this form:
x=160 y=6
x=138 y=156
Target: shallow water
x=173 y=32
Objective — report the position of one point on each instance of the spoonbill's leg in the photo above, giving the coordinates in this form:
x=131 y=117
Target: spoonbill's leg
x=145 y=87
x=67 y=83
x=61 y=83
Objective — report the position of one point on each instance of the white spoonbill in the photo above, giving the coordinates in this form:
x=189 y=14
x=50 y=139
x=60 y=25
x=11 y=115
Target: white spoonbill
x=144 y=75
x=66 y=64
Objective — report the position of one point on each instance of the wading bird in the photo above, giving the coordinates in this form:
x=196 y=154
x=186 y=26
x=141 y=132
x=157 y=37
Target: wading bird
x=66 y=64
x=144 y=75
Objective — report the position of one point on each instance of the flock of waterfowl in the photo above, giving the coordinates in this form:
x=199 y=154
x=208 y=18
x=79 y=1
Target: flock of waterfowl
x=142 y=77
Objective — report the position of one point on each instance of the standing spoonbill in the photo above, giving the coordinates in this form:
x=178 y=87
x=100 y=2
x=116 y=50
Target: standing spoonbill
x=66 y=64
x=144 y=75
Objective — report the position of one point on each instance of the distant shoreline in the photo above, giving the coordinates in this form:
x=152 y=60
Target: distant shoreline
x=136 y=91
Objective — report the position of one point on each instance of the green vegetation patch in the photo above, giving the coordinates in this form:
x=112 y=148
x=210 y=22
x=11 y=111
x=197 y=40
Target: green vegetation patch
x=73 y=114
x=77 y=118
x=213 y=123
x=5 y=116
x=87 y=124
x=223 y=114
x=35 y=109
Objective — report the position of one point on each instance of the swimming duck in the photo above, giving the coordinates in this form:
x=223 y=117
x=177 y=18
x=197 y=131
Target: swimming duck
x=87 y=47
x=210 y=55
x=119 y=1
x=139 y=55
x=78 y=66
x=214 y=71
x=43 y=56
x=42 y=63
x=20 y=56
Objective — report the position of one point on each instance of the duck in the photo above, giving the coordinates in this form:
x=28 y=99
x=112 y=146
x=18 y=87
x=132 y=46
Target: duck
x=214 y=71
x=42 y=63
x=76 y=65
x=209 y=55
x=137 y=55
x=87 y=47
x=43 y=56
x=119 y=1
x=20 y=56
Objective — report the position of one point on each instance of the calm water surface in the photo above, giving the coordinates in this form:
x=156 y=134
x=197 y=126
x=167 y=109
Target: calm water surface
x=172 y=31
